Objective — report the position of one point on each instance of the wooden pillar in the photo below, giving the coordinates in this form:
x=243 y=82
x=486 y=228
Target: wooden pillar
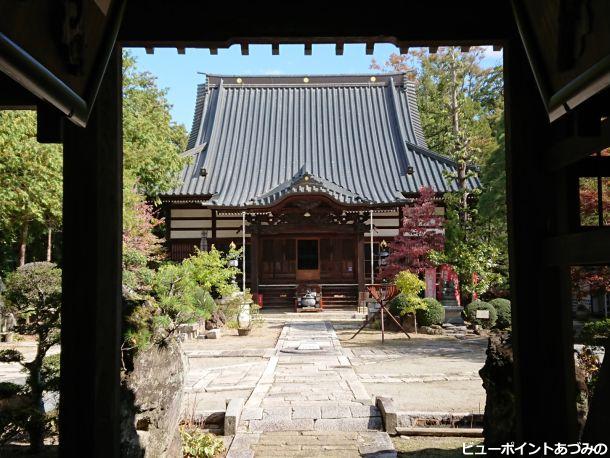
x=254 y=258
x=360 y=260
x=89 y=417
x=540 y=293
x=430 y=277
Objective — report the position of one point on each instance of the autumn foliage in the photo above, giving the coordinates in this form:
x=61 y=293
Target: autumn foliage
x=421 y=232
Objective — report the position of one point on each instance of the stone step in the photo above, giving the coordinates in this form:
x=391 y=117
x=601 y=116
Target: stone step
x=307 y=444
x=323 y=416
x=440 y=432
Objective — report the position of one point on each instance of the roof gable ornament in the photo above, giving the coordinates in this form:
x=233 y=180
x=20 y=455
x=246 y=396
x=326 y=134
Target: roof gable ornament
x=306 y=178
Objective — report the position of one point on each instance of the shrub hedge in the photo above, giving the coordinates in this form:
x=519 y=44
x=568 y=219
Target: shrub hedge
x=397 y=305
x=502 y=307
x=470 y=313
x=434 y=313
x=595 y=332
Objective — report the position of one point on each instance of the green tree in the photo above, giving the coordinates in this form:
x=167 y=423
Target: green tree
x=152 y=142
x=31 y=182
x=409 y=300
x=469 y=249
x=181 y=293
x=492 y=213
x=33 y=295
x=31 y=173
x=459 y=99
x=461 y=109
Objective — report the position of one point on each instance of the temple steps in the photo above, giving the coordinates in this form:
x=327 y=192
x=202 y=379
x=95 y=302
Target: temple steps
x=333 y=296
x=277 y=296
x=340 y=296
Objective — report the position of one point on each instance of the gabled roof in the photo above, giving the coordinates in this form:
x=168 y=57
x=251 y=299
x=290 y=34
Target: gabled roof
x=355 y=137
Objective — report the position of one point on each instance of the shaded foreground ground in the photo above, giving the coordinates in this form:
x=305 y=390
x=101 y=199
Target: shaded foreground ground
x=432 y=446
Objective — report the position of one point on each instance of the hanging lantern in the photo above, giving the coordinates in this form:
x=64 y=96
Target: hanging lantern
x=383 y=253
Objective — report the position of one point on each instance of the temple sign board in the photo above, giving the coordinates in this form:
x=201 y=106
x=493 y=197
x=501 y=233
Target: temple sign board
x=482 y=314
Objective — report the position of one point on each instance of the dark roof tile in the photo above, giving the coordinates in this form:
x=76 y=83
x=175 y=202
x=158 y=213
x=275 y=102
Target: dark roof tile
x=354 y=135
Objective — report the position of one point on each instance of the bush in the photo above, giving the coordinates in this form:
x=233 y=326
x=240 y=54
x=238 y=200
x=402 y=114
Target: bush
x=502 y=307
x=403 y=305
x=470 y=313
x=33 y=294
x=434 y=313
x=410 y=287
x=396 y=305
x=9 y=389
x=199 y=444
x=595 y=333
x=49 y=373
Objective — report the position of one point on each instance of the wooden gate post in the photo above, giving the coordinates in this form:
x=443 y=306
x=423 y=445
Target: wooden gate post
x=89 y=417
x=542 y=328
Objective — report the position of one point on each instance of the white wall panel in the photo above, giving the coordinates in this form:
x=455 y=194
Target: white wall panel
x=382 y=233
x=386 y=222
x=191 y=223
x=226 y=223
x=191 y=212
x=185 y=234
x=229 y=234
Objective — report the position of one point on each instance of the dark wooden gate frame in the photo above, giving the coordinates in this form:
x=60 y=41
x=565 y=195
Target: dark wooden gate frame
x=541 y=243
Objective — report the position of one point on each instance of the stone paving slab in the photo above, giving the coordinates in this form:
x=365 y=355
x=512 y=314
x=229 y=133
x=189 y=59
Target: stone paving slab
x=323 y=444
x=309 y=402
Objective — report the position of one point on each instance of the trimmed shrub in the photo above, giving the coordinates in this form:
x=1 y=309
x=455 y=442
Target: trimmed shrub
x=403 y=305
x=397 y=305
x=470 y=313
x=502 y=307
x=434 y=313
x=595 y=333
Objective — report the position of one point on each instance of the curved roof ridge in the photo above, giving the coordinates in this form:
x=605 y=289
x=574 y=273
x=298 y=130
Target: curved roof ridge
x=299 y=178
x=438 y=156
x=302 y=75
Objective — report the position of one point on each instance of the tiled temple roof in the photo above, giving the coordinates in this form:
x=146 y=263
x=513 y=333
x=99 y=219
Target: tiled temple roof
x=255 y=138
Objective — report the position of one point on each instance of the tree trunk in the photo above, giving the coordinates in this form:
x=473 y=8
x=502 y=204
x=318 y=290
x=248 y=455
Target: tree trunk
x=461 y=182
x=459 y=153
x=36 y=423
x=23 y=243
x=49 y=243
x=454 y=99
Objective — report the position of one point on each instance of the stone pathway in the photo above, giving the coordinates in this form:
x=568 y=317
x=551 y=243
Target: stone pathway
x=309 y=402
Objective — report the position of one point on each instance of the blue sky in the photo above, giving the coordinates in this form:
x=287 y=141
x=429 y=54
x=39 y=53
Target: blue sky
x=179 y=73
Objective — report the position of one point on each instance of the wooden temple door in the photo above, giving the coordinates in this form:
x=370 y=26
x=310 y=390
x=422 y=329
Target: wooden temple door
x=308 y=259
x=338 y=260
x=278 y=260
